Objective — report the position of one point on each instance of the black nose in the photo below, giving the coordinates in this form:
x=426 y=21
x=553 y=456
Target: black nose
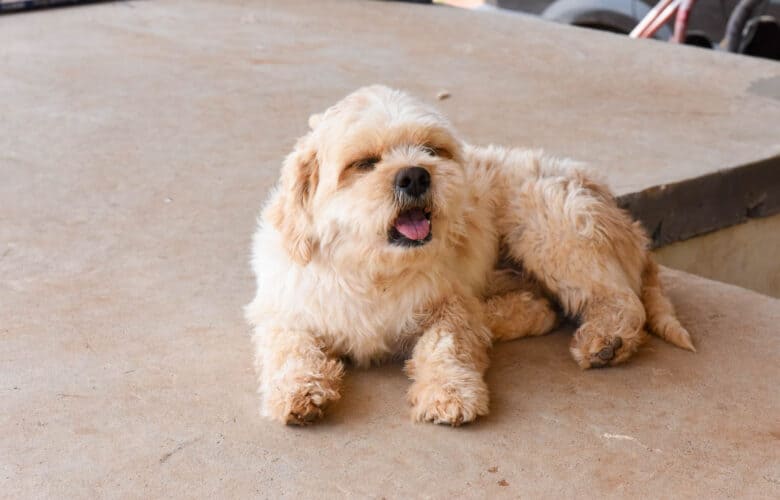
x=413 y=181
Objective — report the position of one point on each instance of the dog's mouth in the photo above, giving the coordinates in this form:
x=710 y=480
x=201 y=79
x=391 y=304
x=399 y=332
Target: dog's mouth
x=412 y=228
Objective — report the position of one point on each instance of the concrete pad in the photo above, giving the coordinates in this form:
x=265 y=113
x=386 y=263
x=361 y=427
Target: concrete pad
x=191 y=80
x=130 y=382
x=138 y=140
x=163 y=74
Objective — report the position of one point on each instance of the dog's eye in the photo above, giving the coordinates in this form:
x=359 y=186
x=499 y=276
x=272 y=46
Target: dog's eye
x=365 y=163
x=437 y=151
x=430 y=150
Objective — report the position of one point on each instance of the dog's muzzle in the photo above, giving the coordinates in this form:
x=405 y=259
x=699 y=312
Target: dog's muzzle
x=412 y=227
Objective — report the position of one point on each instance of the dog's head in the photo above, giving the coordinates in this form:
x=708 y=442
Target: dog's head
x=379 y=176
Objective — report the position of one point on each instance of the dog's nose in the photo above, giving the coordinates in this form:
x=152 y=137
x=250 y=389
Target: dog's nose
x=413 y=181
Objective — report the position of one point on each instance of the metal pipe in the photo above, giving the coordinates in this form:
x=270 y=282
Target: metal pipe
x=649 y=17
x=681 y=22
x=662 y=19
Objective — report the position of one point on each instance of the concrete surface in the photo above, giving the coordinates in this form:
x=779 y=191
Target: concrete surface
x=649 y=114
x=137 y=141
x=745 y=255
x=514 y=80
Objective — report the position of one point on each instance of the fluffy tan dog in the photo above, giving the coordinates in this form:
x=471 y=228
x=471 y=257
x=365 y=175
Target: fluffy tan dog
x=388 y=236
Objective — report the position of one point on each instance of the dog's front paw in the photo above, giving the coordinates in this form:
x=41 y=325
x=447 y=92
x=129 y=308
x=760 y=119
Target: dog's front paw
x=450 y=404
x=301 y=405
x=591 y=349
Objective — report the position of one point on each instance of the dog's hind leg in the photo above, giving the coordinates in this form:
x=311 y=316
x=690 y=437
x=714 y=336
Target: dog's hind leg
x=519 y=314
x=570 y=236
x=611 y=328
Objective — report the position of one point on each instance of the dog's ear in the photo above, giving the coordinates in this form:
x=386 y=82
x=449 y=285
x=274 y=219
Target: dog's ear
x=290 y=210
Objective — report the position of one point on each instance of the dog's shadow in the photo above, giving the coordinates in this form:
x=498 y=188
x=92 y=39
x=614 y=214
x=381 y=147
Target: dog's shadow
x=526 y=376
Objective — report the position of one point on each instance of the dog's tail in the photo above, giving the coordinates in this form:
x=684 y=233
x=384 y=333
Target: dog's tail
x=661 y=317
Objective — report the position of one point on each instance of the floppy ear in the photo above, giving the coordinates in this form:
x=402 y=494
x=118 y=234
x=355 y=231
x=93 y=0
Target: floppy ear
x=290 y=210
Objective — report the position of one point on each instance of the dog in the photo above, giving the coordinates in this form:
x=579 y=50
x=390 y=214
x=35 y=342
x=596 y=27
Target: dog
x=388 y=236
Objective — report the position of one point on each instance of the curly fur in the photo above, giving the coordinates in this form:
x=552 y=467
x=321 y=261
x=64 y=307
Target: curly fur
x=330 y=285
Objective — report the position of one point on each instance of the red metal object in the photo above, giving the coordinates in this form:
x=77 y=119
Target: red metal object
x=661 y=19
x=649 y=18
x=660 y=15
x=681 y=22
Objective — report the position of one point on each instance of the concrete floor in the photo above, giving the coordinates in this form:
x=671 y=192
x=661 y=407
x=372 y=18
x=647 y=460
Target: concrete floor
x=138 y=140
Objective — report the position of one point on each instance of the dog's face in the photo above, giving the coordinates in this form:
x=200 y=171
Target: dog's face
x=378 y=177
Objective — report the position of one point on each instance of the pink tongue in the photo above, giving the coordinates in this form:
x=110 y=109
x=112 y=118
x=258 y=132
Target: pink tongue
x=413 y=225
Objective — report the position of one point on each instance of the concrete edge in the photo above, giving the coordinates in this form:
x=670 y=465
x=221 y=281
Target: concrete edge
x=681 y=210
x=22 y=6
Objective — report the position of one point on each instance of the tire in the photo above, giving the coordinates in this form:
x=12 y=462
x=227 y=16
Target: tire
x=616 y=16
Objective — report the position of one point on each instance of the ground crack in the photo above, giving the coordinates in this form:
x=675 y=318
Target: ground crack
x=180 y=447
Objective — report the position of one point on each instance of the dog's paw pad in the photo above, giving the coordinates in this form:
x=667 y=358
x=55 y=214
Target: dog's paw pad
x=608 y=352
x=600 y=351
